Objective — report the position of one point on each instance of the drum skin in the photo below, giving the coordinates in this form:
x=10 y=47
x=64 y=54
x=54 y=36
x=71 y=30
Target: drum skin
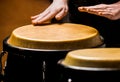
x=64 y=36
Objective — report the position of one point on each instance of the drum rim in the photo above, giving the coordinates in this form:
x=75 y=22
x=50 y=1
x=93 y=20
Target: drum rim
x=86 y=68
x=22 y=48
x=29 y=49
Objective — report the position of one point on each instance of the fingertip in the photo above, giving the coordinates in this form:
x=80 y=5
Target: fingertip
x=100 y=13
x=80 y=8
x=58 y=17
x=34 y=22
x=34 y=17
x=31 y=17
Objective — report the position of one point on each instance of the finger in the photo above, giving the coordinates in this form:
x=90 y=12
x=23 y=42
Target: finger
x=101 y=12
x=93 y=11
x=34 y=17
x=48 y=17
x=83 y=9
x=107 y=15
x=61 y=14
x=87 y=9
x=39 y=17
x=96 y=7
x=41 y=14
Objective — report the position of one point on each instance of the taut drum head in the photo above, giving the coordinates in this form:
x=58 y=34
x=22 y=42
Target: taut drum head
x=65 y=36
x=93 y=59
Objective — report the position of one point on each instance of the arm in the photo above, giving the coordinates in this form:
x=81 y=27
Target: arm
x=110 y=11
x=57 y=9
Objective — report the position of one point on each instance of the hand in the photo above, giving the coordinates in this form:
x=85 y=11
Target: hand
x=111 y=11
x=57 y=9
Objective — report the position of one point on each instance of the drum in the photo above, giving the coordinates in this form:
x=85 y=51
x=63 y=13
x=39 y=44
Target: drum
x=33 y=51
x=96 y=64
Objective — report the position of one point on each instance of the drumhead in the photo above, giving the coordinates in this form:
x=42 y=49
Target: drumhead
x=65 y=36
x=93 y=59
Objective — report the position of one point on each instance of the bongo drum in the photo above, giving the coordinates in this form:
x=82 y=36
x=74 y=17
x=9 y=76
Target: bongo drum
x=33 y=51
x=96 y=64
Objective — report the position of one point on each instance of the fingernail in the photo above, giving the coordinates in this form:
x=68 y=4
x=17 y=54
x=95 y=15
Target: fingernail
x=99 y=13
